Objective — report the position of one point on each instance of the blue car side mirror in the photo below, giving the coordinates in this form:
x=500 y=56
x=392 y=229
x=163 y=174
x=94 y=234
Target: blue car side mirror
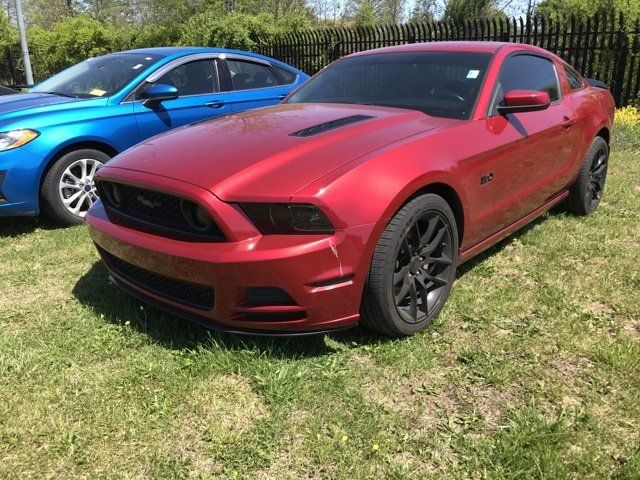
x=157 y=94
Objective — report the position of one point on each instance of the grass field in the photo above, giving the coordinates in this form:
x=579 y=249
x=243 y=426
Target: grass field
x=531 y=371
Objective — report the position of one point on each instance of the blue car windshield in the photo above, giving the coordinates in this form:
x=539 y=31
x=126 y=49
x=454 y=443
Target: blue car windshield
x=440 y=84
x=97 y=77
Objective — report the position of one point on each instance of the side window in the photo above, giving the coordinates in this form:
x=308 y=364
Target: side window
x=526 y=72
x=575 y=81
x=288 y=77
x=247 y=75
x=193 y=78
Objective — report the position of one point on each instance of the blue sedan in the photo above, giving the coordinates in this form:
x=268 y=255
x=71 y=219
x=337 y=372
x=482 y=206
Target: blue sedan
x=54 y=138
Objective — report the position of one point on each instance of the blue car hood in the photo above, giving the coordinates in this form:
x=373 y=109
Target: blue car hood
x=26 y=101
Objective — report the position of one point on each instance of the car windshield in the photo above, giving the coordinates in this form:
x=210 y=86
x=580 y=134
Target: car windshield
x=441 y=84
x=97 y=77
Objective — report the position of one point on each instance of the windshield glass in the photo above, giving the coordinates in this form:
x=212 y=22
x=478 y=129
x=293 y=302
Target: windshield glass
x=97 y=77
x=441 y=84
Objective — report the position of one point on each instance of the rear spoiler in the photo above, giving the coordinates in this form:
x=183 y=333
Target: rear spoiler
x=596 y=83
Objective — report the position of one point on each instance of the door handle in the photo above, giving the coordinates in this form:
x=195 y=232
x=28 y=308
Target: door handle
x=568 y=122
x=215 y=104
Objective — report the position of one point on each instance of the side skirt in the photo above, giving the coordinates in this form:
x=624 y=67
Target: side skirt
x=496 y=237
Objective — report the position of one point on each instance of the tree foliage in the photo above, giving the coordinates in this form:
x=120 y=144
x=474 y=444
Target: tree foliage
x=72 y=41
x=565 y=8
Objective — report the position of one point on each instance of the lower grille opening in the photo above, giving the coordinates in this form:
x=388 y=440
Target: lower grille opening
x=274 y=316
x=267 y=296
x=3 y=199
x=189 y=294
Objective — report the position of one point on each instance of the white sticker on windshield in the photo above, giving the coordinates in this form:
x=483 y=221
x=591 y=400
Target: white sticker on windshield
x=148 y=58
x=473 y=73
x=137 y=66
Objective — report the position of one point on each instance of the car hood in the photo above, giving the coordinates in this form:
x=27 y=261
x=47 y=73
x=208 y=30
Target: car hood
x=257 y=155
x=27 y=101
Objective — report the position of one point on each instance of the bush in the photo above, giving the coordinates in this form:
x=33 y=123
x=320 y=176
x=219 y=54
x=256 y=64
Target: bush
x=8 y=37
x=627 y=127
x=72 y=41
x=235 y=30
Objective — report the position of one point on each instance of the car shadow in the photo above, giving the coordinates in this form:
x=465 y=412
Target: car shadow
x=482 y=256
x=113 y=305
x=95 y=291
x=17 y=226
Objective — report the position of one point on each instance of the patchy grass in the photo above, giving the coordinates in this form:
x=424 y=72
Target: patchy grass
x=531 y=371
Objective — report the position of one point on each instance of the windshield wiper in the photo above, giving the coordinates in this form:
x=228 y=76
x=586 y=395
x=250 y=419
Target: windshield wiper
x=60 y=94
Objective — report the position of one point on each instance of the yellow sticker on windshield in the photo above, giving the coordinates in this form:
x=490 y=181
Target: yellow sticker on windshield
x=96 y=92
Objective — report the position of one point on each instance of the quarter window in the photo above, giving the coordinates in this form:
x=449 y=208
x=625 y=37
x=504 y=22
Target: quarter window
x=193 y=78
x=574 y=79
x=248 y=75
x=526 y=72
x=288 y=77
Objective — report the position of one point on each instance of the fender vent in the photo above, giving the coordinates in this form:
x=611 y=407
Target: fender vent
x=323 y=127
x=3 y=199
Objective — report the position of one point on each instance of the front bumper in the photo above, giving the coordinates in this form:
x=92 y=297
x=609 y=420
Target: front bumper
x=322 y=275
x=20 y=172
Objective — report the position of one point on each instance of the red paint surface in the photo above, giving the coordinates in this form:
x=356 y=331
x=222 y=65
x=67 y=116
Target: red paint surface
x=359 y=175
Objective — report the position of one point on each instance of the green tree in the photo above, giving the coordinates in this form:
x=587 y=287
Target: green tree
x=217 y=29
x=424 y=10
x=459 y=11
x=366 y=15
x=8 y=37
x=72 y=41
x=564 y=8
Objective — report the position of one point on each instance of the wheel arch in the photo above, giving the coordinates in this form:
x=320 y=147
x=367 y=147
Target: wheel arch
x=450 y=195
x=605 y=134
x=98 y=145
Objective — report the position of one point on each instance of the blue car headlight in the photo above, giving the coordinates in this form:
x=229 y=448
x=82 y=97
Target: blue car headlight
x=16 y=138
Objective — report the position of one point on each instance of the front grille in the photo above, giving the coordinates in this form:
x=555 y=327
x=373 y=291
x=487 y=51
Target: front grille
x=267 y=296
x=157 y=212
x=3 y=199
x=189 y=294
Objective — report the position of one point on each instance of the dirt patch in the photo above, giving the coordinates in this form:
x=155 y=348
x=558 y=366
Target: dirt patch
x=600 y=309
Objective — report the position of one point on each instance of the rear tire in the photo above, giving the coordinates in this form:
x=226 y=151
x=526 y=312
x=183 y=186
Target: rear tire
x=586 y=192
x=68 y=189
x=413 y=268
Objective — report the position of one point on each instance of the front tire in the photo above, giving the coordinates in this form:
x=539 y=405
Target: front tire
x=69 y=189
x=586 y=192
x=413 y=268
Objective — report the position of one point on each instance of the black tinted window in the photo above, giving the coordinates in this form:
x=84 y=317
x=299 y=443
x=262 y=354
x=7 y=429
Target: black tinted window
x=527 y=72
x=287 y=76
x=441 y=84
x=575 y=81
x=193 y=78
x=247 y=75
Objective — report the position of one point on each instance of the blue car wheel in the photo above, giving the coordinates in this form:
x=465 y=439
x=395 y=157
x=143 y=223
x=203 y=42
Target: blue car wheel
x=68 y=189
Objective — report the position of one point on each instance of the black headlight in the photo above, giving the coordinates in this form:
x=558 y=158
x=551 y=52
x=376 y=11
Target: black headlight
x=288 y=218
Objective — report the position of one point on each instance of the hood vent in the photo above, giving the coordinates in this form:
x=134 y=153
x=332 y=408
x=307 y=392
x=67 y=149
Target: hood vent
x=323 y=127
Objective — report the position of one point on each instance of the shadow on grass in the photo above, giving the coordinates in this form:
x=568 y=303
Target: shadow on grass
x=106 y=300
x=95 y=291
x=16 y=226
x=482 y=256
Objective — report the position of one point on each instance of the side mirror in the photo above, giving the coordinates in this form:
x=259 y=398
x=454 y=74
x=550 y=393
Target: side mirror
x=157 y=94
x=524 y=101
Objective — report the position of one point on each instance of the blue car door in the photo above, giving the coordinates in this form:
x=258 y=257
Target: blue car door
x=254 y=83
x=199 y=97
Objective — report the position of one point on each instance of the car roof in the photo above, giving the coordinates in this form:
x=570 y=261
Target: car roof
x=461 y=46
x=170 y=53
x=180 y=51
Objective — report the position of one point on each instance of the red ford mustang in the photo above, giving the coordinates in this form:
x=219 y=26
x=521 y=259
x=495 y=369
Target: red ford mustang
x=355 y=199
